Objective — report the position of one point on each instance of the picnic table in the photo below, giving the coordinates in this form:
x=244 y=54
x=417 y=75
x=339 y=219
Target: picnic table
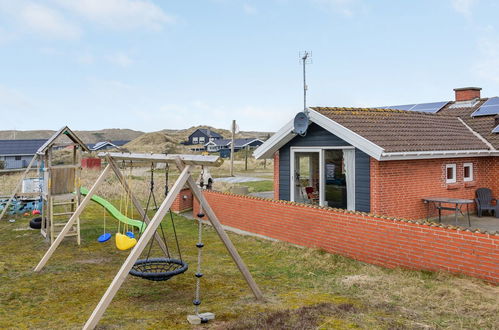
x=457 y=205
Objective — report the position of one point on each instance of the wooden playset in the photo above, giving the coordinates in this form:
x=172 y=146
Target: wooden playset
x=156 y=269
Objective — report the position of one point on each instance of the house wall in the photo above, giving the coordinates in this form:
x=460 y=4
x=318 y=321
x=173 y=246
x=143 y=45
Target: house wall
x=183 y=202
x=198 y=134
x=10 y=162
x=397 y=187
x=319 y=137
x=374 y=239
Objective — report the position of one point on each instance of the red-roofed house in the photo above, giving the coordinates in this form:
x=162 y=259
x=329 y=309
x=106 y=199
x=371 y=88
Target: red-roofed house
x=385 y=160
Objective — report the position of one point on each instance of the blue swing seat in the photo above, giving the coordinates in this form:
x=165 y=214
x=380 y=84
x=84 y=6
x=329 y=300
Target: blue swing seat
x=104 y=237
x=130 y=234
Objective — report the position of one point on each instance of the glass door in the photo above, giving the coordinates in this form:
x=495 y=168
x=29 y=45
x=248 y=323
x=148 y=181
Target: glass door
x=335 y=185
x=306 y=177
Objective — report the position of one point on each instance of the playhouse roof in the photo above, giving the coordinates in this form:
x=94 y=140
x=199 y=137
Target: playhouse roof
x=389 y=134
x=63 y=131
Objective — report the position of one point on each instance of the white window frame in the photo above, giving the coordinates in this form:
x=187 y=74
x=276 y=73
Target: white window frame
x=195 y=140
x=201 y=139
x=453 y=167
x=322 y=179
x=470 y=178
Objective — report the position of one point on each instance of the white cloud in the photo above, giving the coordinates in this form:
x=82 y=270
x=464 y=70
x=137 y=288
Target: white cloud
x=250 y=10
x=46 y=22
x=120 y=59
x=487 y=64
x=464 y=6
x=119 y=14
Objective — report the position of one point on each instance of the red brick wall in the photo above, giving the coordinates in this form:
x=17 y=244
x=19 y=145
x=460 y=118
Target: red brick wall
x=377 y=240
x=397 y=187
x=276 y=175
x=183 y=201
x=468 y=94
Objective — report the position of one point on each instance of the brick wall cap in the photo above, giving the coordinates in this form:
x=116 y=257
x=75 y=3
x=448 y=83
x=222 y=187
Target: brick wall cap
x=467 y=89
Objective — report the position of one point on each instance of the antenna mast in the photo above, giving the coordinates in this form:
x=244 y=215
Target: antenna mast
x=305 y=58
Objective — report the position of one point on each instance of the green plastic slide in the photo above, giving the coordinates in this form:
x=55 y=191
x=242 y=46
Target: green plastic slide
x=115 y=213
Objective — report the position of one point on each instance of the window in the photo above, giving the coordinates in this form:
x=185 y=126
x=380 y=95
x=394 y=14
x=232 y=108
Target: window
x=195 y=140
x=201 y=139
x=450 y=173
x=468 y=172
x=212 y=139
x=18 y=158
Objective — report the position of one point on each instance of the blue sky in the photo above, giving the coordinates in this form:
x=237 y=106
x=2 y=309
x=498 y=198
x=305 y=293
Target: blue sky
x=150 y=65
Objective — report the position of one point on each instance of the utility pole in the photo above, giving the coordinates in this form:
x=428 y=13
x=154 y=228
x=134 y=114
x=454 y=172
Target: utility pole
x=233 y=130
x=246 y=149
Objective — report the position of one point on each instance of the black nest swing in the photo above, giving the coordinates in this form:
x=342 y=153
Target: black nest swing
x=159 y=269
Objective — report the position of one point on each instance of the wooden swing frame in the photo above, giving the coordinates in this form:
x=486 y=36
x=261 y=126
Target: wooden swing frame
x=184 y=163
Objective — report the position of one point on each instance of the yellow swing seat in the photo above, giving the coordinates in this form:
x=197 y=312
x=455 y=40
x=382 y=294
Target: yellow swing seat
x=123 y=242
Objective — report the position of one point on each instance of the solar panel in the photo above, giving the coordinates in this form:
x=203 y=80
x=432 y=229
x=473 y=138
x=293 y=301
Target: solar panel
x=490 y=107
x=400 y=107
x=432 y=107
x=496 y=130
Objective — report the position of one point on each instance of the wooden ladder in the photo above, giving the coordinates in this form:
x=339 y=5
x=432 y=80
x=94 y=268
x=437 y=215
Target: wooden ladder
x=59 y=219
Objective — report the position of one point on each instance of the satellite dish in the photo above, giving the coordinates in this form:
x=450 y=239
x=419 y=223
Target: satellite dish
x=300 y=123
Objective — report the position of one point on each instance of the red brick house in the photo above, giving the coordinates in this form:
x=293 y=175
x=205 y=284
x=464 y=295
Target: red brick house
x=385 y=160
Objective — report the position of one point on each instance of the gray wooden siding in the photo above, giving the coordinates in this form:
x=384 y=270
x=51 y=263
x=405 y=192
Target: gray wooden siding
x=10 y=162
x=319 y=137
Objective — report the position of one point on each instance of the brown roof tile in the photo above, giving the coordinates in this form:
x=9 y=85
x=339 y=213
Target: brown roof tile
x=483 y=125
x=405 y=131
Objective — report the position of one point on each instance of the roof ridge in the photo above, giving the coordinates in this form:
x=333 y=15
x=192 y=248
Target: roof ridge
x=380 y=110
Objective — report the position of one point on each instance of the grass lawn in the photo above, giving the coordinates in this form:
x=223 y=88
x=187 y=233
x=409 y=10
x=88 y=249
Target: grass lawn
x=305 y=288
x=259 y=186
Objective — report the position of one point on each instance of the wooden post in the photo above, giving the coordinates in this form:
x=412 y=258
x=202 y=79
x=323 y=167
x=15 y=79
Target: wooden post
x=137 y=250
x=135 y=201
x=19 y=184
x=73 y=218
x=223 y=236
x=246 y=149
x=233 y=134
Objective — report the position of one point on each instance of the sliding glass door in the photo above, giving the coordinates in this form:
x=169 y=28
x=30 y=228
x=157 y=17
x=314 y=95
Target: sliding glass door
x=323 y=176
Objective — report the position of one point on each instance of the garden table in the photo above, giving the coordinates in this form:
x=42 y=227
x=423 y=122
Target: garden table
x=457 y=204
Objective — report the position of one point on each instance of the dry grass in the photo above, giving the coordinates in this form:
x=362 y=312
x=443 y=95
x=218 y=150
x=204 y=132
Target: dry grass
x=305 y=288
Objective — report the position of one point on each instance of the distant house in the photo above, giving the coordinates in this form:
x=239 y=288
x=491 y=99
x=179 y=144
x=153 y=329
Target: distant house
x=217 y=145
x=104 y=145
x=201 y=136
x=16 y=154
